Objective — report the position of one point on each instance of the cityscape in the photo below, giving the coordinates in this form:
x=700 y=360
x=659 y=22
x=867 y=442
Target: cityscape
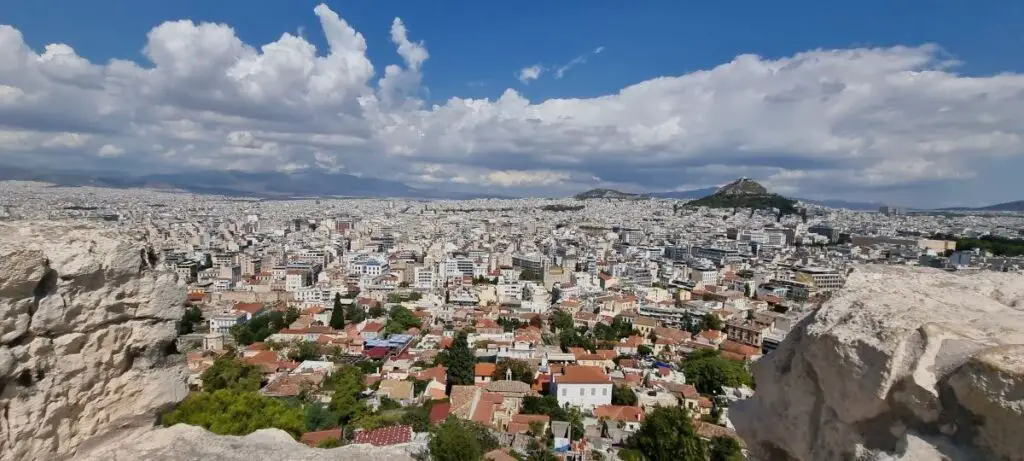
x=493 y=231
x=562 y=328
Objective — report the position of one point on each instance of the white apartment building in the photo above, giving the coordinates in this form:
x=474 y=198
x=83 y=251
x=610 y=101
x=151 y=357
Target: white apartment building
x=313 y=295
x=820 y=278
x=297 y=279
x=424 y=278
x=704 y=276
x=222 y=322
x=583 y=387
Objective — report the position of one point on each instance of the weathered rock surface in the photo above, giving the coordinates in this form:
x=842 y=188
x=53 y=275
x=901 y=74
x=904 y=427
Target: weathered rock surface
x=187 y=443
x=86 y=327
x=903 y=364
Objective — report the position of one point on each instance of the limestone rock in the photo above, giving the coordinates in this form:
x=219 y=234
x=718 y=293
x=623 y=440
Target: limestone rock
x=86 y=327
x=183 y=442
x=904 y=363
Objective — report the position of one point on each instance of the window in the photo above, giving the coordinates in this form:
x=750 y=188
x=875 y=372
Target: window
x=592 y=391
x=582 y=392
x=565 y=392
x=604 y=392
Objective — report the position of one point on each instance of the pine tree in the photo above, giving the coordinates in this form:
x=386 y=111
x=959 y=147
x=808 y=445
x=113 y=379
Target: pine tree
x=461 y=361
x=338 y=314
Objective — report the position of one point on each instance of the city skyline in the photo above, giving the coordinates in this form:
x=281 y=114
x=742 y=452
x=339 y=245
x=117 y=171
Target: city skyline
x=869 y=104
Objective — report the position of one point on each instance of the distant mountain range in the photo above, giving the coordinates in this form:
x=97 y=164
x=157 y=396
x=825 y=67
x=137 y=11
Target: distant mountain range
x=240 y=183
x=275 y=185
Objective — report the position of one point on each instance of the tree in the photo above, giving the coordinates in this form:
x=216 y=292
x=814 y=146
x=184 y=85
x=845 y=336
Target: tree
x=305 y=350
x=329 y=443
x=318 y=417
x=521 y=371
x=376 y=312
x=461 y=362
x=724 y=448
x=709 y=372
x=458 y=440
x=548 y=405
x=667 y=434
x=192 y=317
x=231 y=373
x=418 y=417
x=346 y=385
x=536 y=321
x=338 y=314
x=623 y=395
x=354 y=313
x=712 y=322
x=644 y=350
x=561 y=321
x=400 y=320
x=233 y=412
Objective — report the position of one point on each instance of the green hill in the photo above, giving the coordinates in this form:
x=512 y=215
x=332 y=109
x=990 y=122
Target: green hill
x=746 y=193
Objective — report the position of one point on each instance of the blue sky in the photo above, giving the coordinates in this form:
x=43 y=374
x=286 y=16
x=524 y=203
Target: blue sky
x=477 y=49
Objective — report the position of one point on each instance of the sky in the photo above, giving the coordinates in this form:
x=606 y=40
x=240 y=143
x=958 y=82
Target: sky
x=915 y=103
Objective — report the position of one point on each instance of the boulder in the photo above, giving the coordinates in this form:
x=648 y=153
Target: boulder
x=185 y=443
x=904 y=363
x=86 y=338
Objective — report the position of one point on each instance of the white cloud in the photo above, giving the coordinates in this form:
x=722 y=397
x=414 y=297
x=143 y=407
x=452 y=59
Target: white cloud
x=529 y=73
x=581 y=59
x=110 y=150
x=858 y=119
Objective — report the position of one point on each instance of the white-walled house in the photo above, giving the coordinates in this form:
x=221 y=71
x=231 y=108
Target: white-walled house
x=583 y=387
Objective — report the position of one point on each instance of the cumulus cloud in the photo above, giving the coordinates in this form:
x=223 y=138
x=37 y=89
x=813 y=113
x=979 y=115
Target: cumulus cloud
x=529 y=73
x=863 y=120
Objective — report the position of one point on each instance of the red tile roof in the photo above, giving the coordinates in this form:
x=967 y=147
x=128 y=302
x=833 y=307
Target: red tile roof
x=385 y=436
x=484 y=369
x=619 y=413
x=583 y=375
x=439 y=412
x=317 y=437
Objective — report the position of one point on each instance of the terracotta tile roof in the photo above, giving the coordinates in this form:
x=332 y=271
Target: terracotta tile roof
x=739 y=348
x=251 y=308
x=484 y=369
x=712 y=334
x=317 y=437
x=709 y=431
x=260 y=346
x=527 y=419
x=704 y=402
x=385 y=436
x=438 y=373
x=462 y=400
x=734 y=356
x=686 y=390
x=262 y=357
x=439 y=412
x=373 y=327
x=619 y=413
x=583 y=375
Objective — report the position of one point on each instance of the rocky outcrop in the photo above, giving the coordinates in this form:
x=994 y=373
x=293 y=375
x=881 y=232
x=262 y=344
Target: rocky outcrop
x=86 y=330
x=182 y=442
x=903 y=364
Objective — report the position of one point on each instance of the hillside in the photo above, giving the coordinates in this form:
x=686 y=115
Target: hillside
x=606 y=193
x=1008 y=206
x=746 y=193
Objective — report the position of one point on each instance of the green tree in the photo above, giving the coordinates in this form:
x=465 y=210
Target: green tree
x=192 y=317
x=521 y=371
x=231 y=373
x=623 y=395
x=712 y=322
x=346 y=386
x=318 y=417
x=709 y=372
x=724 y=448
x=232 y=412
x=375 y=312
x=338 y=314
x=461 y=362
x=644 y=350
x=667 y=434
x=418 y=417
x=458 y=440
x=354 y=313
x=305 y=350
x=548 y=405
x=400 y=320
x=536 y=451
x=329 y=443
x=561 y=321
